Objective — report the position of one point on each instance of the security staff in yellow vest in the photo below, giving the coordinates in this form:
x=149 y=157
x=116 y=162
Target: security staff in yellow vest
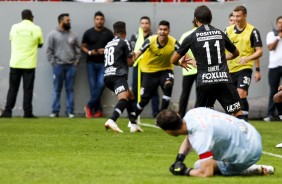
x=248 y=41
x=156 y=67
x=26 y=38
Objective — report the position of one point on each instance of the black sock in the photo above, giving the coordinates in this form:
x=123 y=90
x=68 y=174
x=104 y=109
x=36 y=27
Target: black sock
x=165 y=104
x=119 y=108
x=245 y=108
x=131 y=111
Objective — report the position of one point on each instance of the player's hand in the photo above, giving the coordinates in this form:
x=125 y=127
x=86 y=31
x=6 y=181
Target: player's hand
x=243 y=60
x=257 y=76
x=171 y=168
x=179 y=168
x=185 y=61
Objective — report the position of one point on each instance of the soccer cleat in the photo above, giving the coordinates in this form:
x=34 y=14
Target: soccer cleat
x=110 y=124
x=88 y=113
x=135 y=128
x=267 y=169
x=279 y=145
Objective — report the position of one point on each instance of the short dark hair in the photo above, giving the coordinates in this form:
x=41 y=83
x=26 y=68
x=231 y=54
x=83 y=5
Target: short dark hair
x=61 y=16
x=241 y=8
x=278 y=18
x=169 y=120
x=145 y=17
x=231 y=14
x=98 y=13
x=27 y=14
x=119 y=27
x=203 y=14
x=164 y=23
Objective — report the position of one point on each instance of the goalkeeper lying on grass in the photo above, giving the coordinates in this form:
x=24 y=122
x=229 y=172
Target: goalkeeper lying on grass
x=225 y=145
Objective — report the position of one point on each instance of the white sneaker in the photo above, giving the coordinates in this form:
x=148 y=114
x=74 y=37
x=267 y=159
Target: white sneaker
x=135 y=128
x=71 y=115
x=110 y=124
x=279 y=145
x=54 y=115
x=267 y=169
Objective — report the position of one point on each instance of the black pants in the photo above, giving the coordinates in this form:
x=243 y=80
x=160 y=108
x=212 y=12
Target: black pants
x=28 y=76
x=187 y=82
x=274 y=75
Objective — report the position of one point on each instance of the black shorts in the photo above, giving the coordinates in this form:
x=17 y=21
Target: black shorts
x=151 y=82
x=117 y=84
x=242 y=79
x=225 y=93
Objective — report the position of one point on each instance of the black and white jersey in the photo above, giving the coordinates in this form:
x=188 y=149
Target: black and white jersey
x=208 y=45
x=116 y=53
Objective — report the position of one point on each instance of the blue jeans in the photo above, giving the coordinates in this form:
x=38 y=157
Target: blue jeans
x=95 y=73
x=63 y=73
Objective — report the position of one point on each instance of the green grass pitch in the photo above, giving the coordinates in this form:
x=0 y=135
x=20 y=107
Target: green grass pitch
x=79 y=150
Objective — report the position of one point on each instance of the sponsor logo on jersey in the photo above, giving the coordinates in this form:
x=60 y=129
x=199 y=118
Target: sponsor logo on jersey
x=214 y=77
x=234 y=107
x=119 y=89
x=110 y=71
x=209 y=35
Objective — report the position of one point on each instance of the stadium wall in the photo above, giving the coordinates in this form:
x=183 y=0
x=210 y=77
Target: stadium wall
x=260 y=13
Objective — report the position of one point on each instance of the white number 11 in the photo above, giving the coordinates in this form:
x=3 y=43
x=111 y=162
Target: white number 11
x=207 y=46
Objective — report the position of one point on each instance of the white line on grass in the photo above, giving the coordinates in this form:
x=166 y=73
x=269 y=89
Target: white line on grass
x=272 y=154
x=264 y=152
x=148 y=125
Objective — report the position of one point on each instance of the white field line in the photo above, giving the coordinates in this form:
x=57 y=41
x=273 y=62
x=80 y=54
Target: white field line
x=264 y=152
x=272 y=154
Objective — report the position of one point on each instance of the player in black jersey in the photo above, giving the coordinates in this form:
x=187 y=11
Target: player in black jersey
x=208 y=45
x=118 y=56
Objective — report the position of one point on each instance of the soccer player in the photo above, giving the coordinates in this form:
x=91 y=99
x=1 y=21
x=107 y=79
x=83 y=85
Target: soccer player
x=225 y=144
x=118 y=56
x=136 y=42
x=208 y=45
x=250 y=49
x=156 y=68
x=188 y=77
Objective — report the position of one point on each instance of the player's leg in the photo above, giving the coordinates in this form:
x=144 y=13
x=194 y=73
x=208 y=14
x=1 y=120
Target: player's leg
x=132 y=115
x=187 y=82
x=244 y=81
x=120 y=87
x=205 y=96
x=150 y=84
x=229 y=99
x=167 y=80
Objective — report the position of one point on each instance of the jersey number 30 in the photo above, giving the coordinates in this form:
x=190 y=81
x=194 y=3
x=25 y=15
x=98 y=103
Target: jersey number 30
x=109 y=56
x=207 y=46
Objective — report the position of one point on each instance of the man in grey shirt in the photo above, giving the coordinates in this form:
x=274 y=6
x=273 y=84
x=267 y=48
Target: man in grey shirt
x=63 y=53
